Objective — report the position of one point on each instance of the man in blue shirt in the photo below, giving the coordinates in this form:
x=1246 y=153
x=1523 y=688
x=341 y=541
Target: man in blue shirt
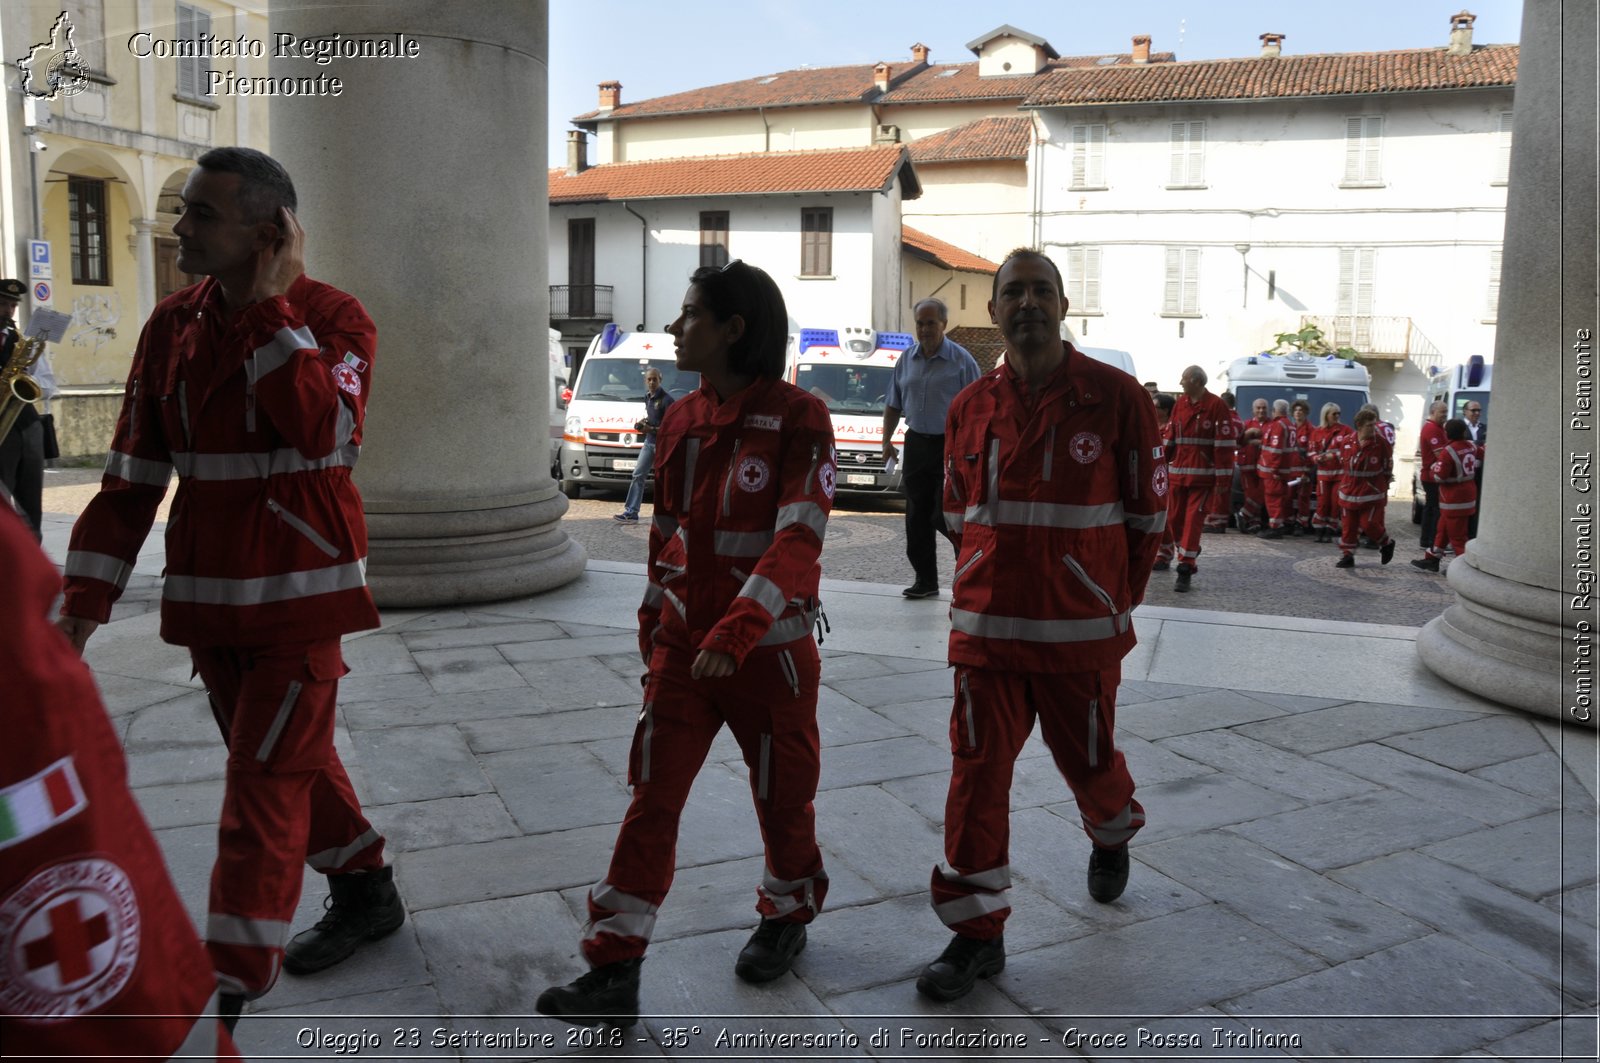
x=925 y=382
x=656 y=401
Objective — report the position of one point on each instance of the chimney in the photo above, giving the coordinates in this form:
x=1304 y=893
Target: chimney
x=577 y=152
x=610 y=95
x=1461 y=33
x=880 y=77
x=1141 y=48
x=919 y=54
x=1271 y=45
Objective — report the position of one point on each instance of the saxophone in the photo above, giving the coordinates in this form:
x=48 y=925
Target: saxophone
x=17 y=388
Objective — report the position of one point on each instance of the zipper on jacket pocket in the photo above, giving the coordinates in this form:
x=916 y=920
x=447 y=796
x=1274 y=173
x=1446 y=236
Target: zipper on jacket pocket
x=811 y=473
x=1049 y=452
x=303 y=528
x=647 y=728
x=1133 y=474
x=1094 y=588
x=1091 y=740
x=966 y=700
x=973 y=560
x=133 y=411
x=183 y=414
x=765 y=768
x=790 y=672
x=727 y=484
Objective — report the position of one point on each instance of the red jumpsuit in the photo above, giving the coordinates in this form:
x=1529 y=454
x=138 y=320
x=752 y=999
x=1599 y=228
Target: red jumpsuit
x=1217 y=516
x=1456 y=473
x=1057 y=506
x=1201 y=474
x=1249 y=459
x=1323 y=452
x=1363 y=489
x=743 y=490
x=1430 y=441
x=1278 y=467
x=98 y=956
x=260 y=414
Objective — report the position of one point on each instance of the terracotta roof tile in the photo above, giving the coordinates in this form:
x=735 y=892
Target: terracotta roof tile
x=943 y=254
x=1343 y=74
x=984 y=341
x=1005 y=137
x=855 y=170
x=953 y=82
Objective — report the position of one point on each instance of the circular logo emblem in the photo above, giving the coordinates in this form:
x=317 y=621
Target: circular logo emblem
x=1206 y=424
x=828 y=478
x=753 y=474
x=65 y=75
x=347 y=378
x=1085 y=447
x=1158 y=481
x=70 y=939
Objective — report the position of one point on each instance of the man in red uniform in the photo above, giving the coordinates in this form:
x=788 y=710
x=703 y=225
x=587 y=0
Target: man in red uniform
x=99 y=956
x=1364 y=489
x=253 y=385
x=1249 y=458
x=1456 y=473
x=1201 y=473
x=1056 y=493
x=1431 y=440
x=1304 y=489
x=1217 y=518
x=1279 y=465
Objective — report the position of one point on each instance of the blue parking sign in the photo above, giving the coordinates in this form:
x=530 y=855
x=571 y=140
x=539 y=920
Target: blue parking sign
x=39 y=260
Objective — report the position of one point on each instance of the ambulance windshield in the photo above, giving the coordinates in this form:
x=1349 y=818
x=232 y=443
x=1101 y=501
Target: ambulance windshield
x=857 y=389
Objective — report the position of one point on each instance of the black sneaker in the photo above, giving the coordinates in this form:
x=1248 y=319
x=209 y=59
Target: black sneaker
x=362 y=906
x=1108 y=873
x=960 y=965
x=1386 y=552
x=1270 y=533
x=1182 y=585
x=770 y=951
x=608 y=994
x=1161 y=565
x=1427 y=564
x=1345 y=561
x=921 y=589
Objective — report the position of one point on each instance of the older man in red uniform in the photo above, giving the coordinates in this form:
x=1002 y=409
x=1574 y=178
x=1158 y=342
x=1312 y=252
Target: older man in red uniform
x=1056 y=494
x=1200 y=433
x=253 y=385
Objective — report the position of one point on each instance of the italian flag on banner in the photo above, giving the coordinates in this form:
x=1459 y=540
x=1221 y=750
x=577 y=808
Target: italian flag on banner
x=33 y=806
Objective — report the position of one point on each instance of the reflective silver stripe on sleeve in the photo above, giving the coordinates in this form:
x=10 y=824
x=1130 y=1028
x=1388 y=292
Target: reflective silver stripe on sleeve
x=201 y=1041
x=972 y=906
x=261 y=464
x=1458 y=505
x=278 y=350
x=290 y=696
x=1046 y=514
x=1197 y=441
x=1182 y=470
x=1146 y=522
x=676 y=603
x=1025 y=629
x=652 y=595
x=237 y=930
x=955 y=522
x=808 y=513
x=995 y=878
x=740 y=544
x=212 y=590
x=337 y=857
x=789 y=629
x=87 y=565
x=764 y=593
x=138 y=470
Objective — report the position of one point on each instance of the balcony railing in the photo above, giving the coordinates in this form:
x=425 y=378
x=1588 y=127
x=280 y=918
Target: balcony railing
x=570 y=301
x=1377 y=336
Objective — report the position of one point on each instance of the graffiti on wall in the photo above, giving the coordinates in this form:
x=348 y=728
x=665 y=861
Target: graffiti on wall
x=94 y=319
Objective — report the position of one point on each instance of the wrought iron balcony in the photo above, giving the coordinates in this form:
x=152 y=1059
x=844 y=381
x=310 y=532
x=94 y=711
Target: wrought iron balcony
x=1385 y=336
x=575 y=301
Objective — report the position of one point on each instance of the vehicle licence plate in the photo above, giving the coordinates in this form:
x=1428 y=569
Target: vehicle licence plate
x=625 y=464
x=860 y=478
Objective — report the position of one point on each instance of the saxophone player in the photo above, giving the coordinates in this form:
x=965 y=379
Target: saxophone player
x=22 y=450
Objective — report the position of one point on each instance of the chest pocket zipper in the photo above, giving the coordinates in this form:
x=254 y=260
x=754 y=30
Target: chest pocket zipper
x=811 y=473
x=727 y=484
x=303 y=528
x=1094 y=589
x=183 y=414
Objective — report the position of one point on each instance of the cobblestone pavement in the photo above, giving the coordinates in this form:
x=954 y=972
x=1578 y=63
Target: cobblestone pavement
x=1238 y=573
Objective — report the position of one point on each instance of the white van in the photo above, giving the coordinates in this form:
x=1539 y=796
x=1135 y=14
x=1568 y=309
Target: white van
x=849 y=369
x=599 y=444
x=558 y=402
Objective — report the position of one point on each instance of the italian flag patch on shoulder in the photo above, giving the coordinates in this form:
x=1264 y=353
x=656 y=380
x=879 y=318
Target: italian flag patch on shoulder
x=33 y=806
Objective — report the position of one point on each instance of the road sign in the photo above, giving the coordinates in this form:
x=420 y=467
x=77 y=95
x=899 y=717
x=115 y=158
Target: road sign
x=41 y=292
x=39 y=260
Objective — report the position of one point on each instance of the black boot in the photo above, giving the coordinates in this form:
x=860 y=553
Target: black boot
x=1185 y=570
x=608 y=994
x=363 y=906
x=1108 y=873
x=960 y=965
x=770 y=951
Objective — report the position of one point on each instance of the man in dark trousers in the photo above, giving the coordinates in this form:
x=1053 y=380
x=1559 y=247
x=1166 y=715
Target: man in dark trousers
x=925 y=381
x=22 y=450
x=253 y=386
x=1478 y=433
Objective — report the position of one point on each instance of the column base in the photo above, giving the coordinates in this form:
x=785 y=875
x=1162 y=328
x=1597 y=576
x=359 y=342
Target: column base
x=462 y=556
x=1502 y=640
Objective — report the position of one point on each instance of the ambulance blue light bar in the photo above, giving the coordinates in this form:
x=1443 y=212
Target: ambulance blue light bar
x=895 y=341
x=818 y=337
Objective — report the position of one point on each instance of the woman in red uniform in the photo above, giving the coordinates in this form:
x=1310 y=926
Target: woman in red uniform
x=1327 y=446
x=745 y=473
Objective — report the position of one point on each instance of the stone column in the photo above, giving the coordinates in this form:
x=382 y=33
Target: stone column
x=144 y=251
x=1510 y=636
x=423 y=192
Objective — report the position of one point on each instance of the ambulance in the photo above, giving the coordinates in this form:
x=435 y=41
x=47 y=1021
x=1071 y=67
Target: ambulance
x=599 y=441
x=1455 y=387
x=849 y=369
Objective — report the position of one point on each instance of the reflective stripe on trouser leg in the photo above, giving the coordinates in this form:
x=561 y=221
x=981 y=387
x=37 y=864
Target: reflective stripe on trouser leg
x=617 y=920
x=969 y=890
x=1276 y=494
x=1077 y=716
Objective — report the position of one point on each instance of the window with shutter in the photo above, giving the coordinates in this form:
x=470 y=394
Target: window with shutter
x=1181 y=287
x=816 y=241
x=1088 y=156
x=714 y=238
x=1187 y=168
x=88 y=230
x=1083 y=280
x=1363 y=154
x=194 y=24
x=1502 y=167
x=1353 y=304
x=1492 y=311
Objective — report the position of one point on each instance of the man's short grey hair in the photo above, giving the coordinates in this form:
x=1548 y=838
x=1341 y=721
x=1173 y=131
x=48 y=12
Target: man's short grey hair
x=1373 y=406
x=1280 y=407
x=937 y=304
x=1198 y=374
